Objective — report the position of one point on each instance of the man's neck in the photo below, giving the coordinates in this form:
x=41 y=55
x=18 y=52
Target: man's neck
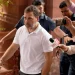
x=33 y=29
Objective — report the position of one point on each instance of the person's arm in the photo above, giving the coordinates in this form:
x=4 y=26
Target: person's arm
x=69 y=25
x=69 y=2
x=10 y=35
x=67 y=49
x=57 y=30
x=71 y=5
x=73 y=22
x=71 y=50
x=9 y=52
x=72 y=30
x=47 y=64
x=12 y=49
x=48 y=53
x=61 y=34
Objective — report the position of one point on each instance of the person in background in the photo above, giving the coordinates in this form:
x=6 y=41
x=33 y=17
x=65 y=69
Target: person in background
x=67 y=62
x=44 y=20
x=67 y=49
x=69 y=25
x=71 y=5
x=36 y=57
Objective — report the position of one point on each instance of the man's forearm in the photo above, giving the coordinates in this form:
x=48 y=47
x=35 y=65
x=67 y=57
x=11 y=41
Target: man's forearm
x=69 y=2
x=9 y=52
x=46 y=68
x=73 y=22
x=71 y=49
x=59 y=32
x=72 y=30
x=47 y=65
x=10 y=35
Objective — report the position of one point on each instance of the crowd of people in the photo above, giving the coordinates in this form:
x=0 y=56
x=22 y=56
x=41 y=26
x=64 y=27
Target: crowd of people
x=35 y=25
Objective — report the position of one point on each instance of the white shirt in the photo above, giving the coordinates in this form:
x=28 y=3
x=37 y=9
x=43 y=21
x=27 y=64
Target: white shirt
x=32 y=47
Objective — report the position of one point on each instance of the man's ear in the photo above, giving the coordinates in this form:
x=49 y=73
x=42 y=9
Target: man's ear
x=37 y=18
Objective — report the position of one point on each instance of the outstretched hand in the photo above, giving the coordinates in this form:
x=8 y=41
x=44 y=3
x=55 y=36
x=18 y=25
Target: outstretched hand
x=66 y=39
x=62 y=47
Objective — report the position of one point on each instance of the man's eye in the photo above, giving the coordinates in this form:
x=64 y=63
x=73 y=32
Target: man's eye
x=24 y=17
x=29 y=18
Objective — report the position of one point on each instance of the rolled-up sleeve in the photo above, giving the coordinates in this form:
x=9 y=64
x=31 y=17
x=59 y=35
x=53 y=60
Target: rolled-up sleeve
x=71 y=50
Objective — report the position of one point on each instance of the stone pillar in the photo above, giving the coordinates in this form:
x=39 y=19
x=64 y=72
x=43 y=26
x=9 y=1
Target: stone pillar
x=52 y=9
x=49 y=7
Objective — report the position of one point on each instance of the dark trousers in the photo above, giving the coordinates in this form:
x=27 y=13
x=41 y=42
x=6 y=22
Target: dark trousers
x=67 y=64
x=64 y=64
x=21 y=73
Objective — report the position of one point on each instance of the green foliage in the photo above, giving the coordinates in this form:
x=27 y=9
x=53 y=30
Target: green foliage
x=5 y=2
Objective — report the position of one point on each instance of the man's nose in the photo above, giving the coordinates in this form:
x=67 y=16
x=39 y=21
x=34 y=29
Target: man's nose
x=26 y=20
x=40 y=8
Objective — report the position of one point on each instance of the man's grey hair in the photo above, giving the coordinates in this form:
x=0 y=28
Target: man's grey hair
x=33 y=9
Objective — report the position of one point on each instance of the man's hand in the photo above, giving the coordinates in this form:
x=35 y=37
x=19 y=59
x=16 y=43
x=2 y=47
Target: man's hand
x=58 y=52
x=62 y=47
x=69 y=23
x=66 y=39
x=68 y=2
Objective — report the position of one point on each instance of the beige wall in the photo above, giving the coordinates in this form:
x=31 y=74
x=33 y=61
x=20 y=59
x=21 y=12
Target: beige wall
x=52 y=8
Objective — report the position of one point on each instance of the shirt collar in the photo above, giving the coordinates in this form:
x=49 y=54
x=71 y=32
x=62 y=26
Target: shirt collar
x=37 y=29
x=42 y=16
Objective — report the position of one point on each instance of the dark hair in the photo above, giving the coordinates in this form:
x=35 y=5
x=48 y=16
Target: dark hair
x=38 y=2
x=62 y=4
x=33 y=9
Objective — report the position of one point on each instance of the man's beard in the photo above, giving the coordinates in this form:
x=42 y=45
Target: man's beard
x=31 y=26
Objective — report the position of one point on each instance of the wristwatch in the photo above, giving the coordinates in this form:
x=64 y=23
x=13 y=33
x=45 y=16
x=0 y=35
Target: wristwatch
x=65 y=35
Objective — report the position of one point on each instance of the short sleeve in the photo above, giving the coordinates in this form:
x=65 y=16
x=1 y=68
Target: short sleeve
x=46 y=44
x=72 y=7
x=16 y=38
x=20 y=23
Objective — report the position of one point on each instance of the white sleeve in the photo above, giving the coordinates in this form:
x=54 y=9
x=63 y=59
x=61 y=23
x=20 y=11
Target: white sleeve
x=16 y=38
x=71 y=50
x=46 y=44
x=72 y=7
